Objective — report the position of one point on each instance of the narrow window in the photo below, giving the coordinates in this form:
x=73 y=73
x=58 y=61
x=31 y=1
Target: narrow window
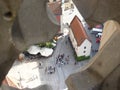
x=85 y=47
x=84 y=51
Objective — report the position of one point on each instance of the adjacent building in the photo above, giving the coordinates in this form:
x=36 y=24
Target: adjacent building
x=79 y=38
x=55 y=7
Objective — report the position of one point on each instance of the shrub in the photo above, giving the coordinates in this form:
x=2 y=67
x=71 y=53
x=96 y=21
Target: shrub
x=81 y=58
x=42 y=45
x=49 y=45
x=46 y=44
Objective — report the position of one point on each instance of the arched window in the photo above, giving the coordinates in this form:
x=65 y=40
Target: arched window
x=84 y=47
x=84 y=51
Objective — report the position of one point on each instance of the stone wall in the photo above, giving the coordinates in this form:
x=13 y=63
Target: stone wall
x=99 y=11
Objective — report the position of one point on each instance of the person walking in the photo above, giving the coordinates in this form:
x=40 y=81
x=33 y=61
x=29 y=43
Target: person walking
x=46 y=70
x=54 y=69
x=67 y=60
x=75 y=63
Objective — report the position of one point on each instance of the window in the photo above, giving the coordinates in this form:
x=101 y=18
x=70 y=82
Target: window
x=84 y=51
x=85 y=47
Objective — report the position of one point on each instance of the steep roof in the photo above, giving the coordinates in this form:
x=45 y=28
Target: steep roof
x=78 y=31
x=55 y=7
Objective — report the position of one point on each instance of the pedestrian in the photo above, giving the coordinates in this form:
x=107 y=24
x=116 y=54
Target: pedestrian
x=96 y=50
x=54 y=69
x=60 y=59
x=45 y=69
x=66 y=42
x=39 y=64
x=66 y=59
x=75 y=63
x=92 y=50
x=50 y=67
x=63 y=55
x=57 y=60
x=59 y=56
x=59 y=64
x=68 y=56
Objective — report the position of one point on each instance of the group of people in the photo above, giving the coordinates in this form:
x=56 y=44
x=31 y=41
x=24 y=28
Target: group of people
x=61 y=59
x=94 y=50
x=50 y=70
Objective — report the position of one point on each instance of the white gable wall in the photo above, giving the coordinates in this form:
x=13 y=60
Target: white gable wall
x=81 y=50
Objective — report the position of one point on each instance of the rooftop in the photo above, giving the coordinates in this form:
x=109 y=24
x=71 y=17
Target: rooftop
x=55 y=7
x=78 y=30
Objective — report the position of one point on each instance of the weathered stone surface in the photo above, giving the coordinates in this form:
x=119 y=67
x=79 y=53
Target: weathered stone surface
x=85 y=80
x=99 y=11
x=33 y=23
x=109 y=32
x=112 y=82
x=108 y=57
x=86 y=7
x=8 y=52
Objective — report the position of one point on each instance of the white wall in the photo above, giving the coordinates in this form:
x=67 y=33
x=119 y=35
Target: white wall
x=68 y=15
x=80 y=50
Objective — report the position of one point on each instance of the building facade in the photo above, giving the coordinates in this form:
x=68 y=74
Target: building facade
x=79 y=38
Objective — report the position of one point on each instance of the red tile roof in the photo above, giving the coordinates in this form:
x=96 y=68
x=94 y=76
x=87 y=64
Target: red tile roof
x=78 y=31
x=55 y=7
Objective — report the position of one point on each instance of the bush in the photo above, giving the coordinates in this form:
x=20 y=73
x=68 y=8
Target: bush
x=49 y=45
x=42 y=45
x=46 y=44
x=81 y=58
